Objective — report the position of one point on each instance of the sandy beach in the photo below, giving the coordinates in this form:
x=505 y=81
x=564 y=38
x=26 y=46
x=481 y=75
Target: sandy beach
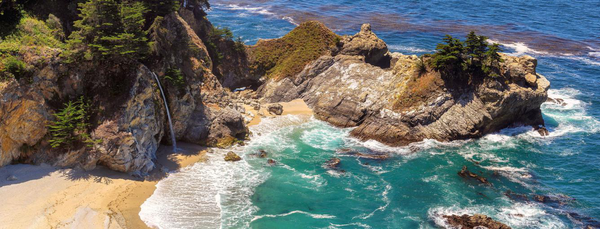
x=49 y=197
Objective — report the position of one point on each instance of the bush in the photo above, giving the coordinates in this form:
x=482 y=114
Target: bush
x=71 y=125
x=239 y=45
x=15 y=67
x=174 y=76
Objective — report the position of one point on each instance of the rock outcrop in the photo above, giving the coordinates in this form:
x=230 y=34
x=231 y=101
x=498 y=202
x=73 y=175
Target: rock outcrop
x=195 y=109
x=24 y=116
x=129 y=118
x=231 y=156
x=474 y=221
x=402 y=104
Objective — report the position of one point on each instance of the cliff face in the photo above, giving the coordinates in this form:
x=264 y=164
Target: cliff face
x=129 y=120
x=353 y=86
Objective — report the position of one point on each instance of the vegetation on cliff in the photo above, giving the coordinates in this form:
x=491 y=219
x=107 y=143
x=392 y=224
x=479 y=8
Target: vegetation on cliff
x=459 y=59
x=71 y=125
x=287 y=56
x=32 y=42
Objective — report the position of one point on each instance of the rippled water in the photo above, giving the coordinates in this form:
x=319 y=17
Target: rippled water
x=419 y=183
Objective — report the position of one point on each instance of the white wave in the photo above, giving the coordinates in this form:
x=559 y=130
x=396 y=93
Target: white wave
x=328 y=138
x=290 y=20
x=216 y=193
x=571 y=115
x=195 y=196
x=521 y=48
x=314 y=216
x=408 y=49
x=254 y=10
x=518 y=215
x=384 y=198
x=351 y=225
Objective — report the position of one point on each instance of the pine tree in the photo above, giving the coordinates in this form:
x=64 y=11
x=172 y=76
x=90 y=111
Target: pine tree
x=110 y=31
x=71 y=124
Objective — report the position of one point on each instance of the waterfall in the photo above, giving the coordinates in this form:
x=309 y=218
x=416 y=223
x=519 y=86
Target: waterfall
x=168 y=112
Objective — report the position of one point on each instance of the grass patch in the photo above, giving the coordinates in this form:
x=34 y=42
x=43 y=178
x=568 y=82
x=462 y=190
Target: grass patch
x=418 y=90
x=32 y=42
x=287 y=56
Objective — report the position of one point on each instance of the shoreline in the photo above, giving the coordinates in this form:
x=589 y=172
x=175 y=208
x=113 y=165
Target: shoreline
x=49 y=197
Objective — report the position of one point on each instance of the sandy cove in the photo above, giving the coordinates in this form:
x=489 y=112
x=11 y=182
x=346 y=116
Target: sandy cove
x=48 y=197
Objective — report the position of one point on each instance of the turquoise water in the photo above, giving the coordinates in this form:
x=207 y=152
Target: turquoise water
x=418 y=183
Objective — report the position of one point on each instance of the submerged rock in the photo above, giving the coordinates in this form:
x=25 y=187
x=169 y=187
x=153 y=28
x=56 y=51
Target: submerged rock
x=333 y=163
x=231 y=156
x=474 y=221
x=371 y=156
x=11 y=178
x=464 y=172
x=275 y=109
x=262 y=153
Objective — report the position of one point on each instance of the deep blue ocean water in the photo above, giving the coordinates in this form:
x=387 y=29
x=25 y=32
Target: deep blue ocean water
x=419 y=183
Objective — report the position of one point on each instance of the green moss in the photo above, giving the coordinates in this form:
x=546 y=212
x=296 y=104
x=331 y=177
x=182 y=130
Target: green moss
x=287 y=56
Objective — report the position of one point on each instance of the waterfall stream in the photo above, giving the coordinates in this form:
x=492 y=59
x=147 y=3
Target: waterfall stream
x=168 y=112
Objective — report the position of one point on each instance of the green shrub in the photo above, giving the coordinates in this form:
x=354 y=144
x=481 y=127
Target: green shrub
x=239 y=45
x=176 y=78
x=14 y=66
x=71 y=125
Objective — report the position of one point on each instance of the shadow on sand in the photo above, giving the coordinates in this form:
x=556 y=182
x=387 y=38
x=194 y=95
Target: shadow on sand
x=166 y=161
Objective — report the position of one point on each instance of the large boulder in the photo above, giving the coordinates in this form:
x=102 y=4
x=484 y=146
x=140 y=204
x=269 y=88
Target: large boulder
x=365 y=43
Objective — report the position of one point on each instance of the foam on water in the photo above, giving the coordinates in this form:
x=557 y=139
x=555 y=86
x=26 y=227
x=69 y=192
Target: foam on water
x=518 y=215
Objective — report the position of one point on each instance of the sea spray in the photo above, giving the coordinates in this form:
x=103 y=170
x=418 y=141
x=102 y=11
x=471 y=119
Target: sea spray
x=168 y=112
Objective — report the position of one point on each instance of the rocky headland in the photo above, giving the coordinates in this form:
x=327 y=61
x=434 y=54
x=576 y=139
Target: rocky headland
x=216 y=87
x=349 y=81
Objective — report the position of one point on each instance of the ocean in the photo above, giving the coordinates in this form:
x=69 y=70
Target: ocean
x=419 y=183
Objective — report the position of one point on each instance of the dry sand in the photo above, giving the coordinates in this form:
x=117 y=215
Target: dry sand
x=49 y=197
x=295 y=107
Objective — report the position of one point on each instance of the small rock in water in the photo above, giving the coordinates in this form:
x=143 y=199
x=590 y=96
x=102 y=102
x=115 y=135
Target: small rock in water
x=468 y=174
x=543 y=131
x=271 y=162
x=11 y=178
x=262 y=153
x=275 y=109
x=231 y=156
x=333 y=163
x=475 y=221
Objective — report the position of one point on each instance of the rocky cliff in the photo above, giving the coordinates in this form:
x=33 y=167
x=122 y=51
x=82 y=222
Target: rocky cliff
x=129 y=119
x=388 y=97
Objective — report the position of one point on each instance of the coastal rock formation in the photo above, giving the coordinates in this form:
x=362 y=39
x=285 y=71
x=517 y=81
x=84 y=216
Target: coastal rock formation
x=197 y=117
x=402 y=104
x=128 y=120
x=474 y=221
